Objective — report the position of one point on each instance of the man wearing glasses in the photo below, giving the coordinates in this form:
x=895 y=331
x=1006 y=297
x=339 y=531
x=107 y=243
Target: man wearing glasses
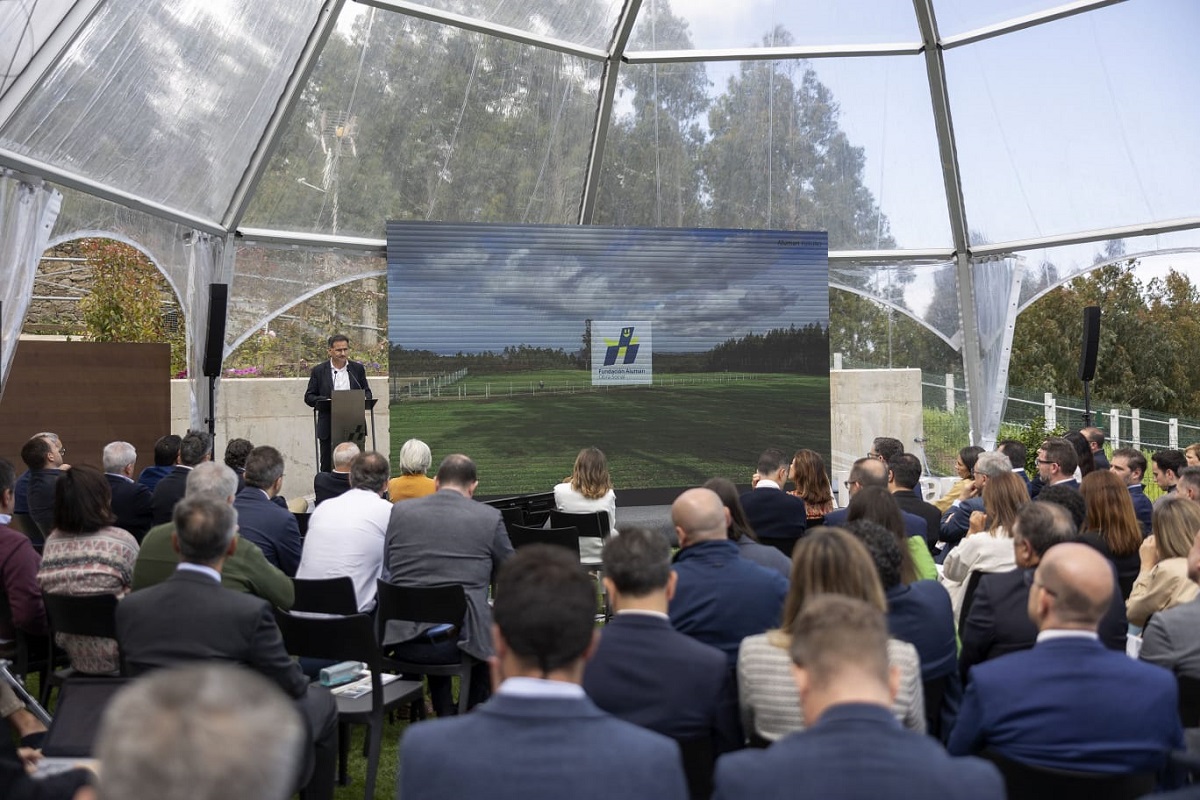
x=43 y=454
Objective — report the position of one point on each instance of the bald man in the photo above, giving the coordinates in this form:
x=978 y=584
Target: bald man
x=1070 y=703
x=720 y=597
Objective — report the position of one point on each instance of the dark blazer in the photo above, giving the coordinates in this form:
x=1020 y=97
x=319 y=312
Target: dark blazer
x=774 y=514
x=765 y=556
x=133 y=504
x=646 y=672
x=40 y=495
x=913 y=525
x=1066 y=704
x=957 y=521
x=273 y=528
x=535 y=748
x=1142 y=507
x=998 y=620
x=150 y=476
x=330 y=484
x=920 y=613
x=914 y=505
x=169 y=491
x=320 y=386
x=1100 y=459
x=855 y=750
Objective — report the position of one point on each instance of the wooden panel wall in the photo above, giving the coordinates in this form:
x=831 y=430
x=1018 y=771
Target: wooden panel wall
x=90 y=394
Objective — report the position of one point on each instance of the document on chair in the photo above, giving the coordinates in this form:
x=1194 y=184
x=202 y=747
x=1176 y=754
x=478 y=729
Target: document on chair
x=362 y=686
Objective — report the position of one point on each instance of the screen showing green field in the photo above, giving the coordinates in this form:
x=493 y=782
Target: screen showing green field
x=681 y=353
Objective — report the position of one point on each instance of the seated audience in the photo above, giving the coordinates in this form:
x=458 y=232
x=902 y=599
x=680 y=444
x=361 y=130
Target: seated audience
x=1015 y=451
x=332 y=484
x=871 y=473
x=346 y=533
x=778 y=518
x=194 y=449
x=1167 y=464
x=998 y=621
x=1130 y=466
x=236 y=453
x=43 y=454
x=1162 y=581
x=166 y=455
x=203 y=732
x=190 y=617
x=131 y=502
x=811 y=478
x=1085 y=462
x=16 y=782
x=956 y=522
x=1057 y=461
x=86 y=555
x=904 y=482
x=988 y=544
x=539 y=736
x=447 y=537
x=1110 y=525
x=263 y=522
x=1189 y=483
x=246 y=570
x=1095 y=440
x=415 y=460
x=874 y=503
x=885 y=448
x=738 y=529
x=964 y=467
x=588 y=488
x=853 y=746
x=720 y=597
x=644 y=671
x=826 y=561
x=1065 y=704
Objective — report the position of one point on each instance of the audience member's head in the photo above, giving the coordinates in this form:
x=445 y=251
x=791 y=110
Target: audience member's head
x=118 y=458
x=544 y=615
x=905 y=470
x=264 y=468
x=1014 y=450
x=38 y=452
x=1192 y=454
x=415 y=457
x=698 y=516
x=1003 y=497
x=1039 y=527
x=866 y=472
x=990 y=464
x=1167 y=466
x=1056 y=460
x=212 y=480
x=8 y=482
x=1109 y=512
x=885 y=551
x=637 y=564
x=1072 y=588
x=877 y=505
x=811 y=478
x=830 y=561
x=1174 y=524
x=236 y=452
x=773 y=465
x=82 y=501
x=739 y=527
x=1130 y=465
x=839 y=649
x=369 y=471
x=166 y=450
x=1083 y=452
x=965 y=465
x=196 y=446
x=590 y=476
x=885 y=448
x=1189 y=483
x=200 y=732
x=457 y=472
x=343 y=454
x=1095 y=438
x=204 y=529
x=1067 y=497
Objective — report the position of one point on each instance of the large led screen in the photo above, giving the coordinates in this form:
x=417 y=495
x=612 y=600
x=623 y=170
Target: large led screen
x=681 y=353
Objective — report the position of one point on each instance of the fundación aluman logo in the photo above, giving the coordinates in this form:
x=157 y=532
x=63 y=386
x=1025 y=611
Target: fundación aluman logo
x=625 y=348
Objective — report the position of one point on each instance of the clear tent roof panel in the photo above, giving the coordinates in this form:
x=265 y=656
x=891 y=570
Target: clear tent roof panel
x=1079 y=124
x=960 y=16
x=589 y=23
x=478 y=129
x=21 y=33
x=165 y=100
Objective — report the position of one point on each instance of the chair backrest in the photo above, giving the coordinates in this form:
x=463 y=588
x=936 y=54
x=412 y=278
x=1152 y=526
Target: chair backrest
x=968 y=597
x=326 y=595
x=591 y=524
x=25 y=524
x=522 y=535
x=426 y=604
x=82 y=615
x=302 y=518
x=1189 y=701
x=348 y=638
x=1029 y=782
x=512 y=516
x=699 y=757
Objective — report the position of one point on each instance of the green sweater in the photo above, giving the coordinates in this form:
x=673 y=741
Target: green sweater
x=247 y=570
x=926 y=569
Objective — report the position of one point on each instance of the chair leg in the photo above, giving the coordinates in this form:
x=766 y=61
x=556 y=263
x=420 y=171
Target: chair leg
x=343 y=754
x=374 y=740
x=464 y=686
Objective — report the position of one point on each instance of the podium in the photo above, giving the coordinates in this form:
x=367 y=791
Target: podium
x=348 y=412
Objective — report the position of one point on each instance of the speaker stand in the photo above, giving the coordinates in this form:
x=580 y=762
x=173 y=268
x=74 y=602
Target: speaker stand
x=1087 y=405
x=212 y=413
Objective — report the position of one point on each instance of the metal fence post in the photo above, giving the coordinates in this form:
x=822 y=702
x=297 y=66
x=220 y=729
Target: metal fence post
x=1136 y=422
x=950 y=392
x=1173 y=433
x=1114 y=428
x=1051 y=411
x=837 y=360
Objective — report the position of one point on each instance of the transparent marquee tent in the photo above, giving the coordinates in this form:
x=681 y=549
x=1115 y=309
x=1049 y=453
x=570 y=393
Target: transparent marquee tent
x=965 y=155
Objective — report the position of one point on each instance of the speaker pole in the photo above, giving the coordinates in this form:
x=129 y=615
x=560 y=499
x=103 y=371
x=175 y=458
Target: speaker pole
x=1087 y=358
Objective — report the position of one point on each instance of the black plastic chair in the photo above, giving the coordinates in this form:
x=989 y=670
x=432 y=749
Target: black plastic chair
x=350 y=638
x=82 y=615
x=699 y=758
x=593 y=524
x=325 y=595
x=523 y=535
x=24 y=646
x=433 y=605
x=968 y=598
x=512 y=516
x=1189 y=701
x=1029 y=782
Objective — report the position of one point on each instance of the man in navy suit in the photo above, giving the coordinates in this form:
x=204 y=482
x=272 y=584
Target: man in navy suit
x=1016 y=451
x=1066 y=704
x=646 y=672
x=539 y=736
x=337 y=374
x=1057 y=462
x=131 y=502
x=872 y=472
x=195 y=448
x=853 y=746
x=904 y=481
x=262 y=521
x=327 y=485
x=1095 y=439
x=1130 y=466
x=778 y=518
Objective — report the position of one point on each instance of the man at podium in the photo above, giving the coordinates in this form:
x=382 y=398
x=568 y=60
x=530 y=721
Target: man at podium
x=339 y=373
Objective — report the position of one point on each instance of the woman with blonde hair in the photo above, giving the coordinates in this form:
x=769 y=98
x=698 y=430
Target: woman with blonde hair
x=987 y=547
x=588 y=488
x=1163 y=579
x=825 y=561
x=812 y=484
x=412 y=481
x=1111 y=525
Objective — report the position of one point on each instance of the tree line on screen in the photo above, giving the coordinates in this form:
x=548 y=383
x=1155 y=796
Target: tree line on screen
x=797 y=350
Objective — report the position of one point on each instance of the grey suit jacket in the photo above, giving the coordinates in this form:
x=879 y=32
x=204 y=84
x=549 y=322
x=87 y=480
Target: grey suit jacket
x=447 y=538
x=1172 y=639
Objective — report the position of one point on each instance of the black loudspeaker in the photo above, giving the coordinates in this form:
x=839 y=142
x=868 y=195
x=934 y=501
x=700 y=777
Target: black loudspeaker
x=214 y=345
x=1091 y=343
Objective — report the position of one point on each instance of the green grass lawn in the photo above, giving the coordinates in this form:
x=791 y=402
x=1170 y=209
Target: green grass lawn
x=679 y=432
